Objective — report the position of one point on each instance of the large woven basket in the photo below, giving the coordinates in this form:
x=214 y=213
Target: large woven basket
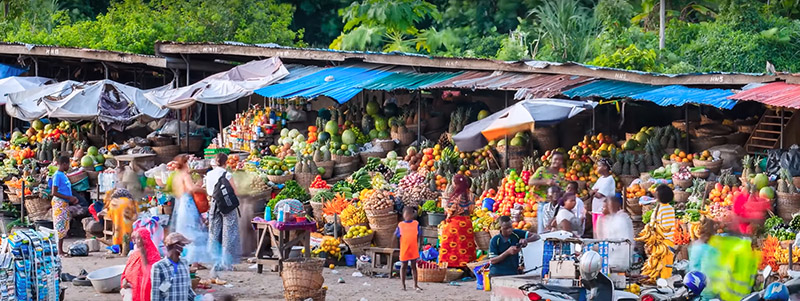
x=358 y=244
x=377 y=212
x=280 y=179
x=303 y=179
x=682 y=183
x=386 y=145
x=196 y=144
x=384 y=237
x=317 y=209
x=345 y=168
x=681 y=196
x=453 y=275
x=161 y=141
x=304 y=295
x=14 y=198
x=703 y=143
x=627 y=180
x=36 y=205
x=314 y=191
x=713 y=166
x=532 y=222
x=77 y=176
x=482 y=239
x=383 y=221
x=302 y=273
x=366 y=155
x=494 y=233
x=328 y=166
x=437 y=274
x=405 y=138
x=339 y=159
x=633 y=207
x=167 y=153
x=788 y=204
x=546 y=138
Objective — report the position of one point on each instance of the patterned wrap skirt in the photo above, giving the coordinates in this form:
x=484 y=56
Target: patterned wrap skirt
x=60 y=216
x=457 y=242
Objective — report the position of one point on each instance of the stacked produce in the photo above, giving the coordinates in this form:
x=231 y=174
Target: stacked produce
x=654 y=243
x=482 y=219
x=319 y=183
x=379 y=201
x=412 y=190
x=291 y=190
x=513 y=190
x=335 y=206
x=329 y=246
x=353 y=215
x=679 y=156
x=357 y=231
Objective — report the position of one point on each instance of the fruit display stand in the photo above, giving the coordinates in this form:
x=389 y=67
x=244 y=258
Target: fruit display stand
x=283 y=236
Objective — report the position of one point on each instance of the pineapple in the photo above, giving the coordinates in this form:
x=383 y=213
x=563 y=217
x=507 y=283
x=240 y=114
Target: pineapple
x=785 y=184
x=444 y=141
x=747 y=164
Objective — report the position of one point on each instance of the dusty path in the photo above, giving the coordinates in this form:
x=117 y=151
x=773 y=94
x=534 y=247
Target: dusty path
x=246 y=284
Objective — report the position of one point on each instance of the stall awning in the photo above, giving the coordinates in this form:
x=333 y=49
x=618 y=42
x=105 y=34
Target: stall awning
x=775 y=94
x=298 y=71
x=408 y=80
x=8 y=71
x=16 y=84
x=340 y=83
x=609 y=89
x=527 y=85
x=545 y=86
x=677 y=95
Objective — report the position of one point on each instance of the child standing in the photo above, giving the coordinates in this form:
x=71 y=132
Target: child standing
x=408 y=232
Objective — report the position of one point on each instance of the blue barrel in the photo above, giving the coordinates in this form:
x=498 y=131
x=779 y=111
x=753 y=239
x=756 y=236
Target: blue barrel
x=350 y=260
x=488 y=203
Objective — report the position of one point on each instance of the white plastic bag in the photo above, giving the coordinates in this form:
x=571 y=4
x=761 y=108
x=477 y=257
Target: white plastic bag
x=127 y=294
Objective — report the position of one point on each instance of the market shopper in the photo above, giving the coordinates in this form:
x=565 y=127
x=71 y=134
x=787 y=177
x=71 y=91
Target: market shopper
x=61 y=190
x=408 y=232
x=458 y=240
x=616 y=225
x=547 y=176
x=664 y=216
x=547 y=210
x=185 y=214
x=223 y=227
x=604 y=187
x=565 y=217
x=170 y=276
x=122 y=212
x=702 y=256
x=580 y=208
x=504 y=248
x=136 y=275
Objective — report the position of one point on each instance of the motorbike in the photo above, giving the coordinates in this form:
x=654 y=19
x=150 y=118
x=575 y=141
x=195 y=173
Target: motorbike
x=600 y=288
x=663 y=291
x=793 y=285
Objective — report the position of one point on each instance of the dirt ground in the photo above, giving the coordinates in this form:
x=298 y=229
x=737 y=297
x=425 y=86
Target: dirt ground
x=246 y=284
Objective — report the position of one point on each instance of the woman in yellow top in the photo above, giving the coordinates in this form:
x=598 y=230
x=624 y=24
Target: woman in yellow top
x=122 y=210
x=547 y=176
x=664 y=216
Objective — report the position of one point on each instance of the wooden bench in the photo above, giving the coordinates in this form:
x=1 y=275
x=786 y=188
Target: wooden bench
x=377 y=254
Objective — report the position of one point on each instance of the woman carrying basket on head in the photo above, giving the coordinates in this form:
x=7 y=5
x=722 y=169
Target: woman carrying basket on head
x=458 y=240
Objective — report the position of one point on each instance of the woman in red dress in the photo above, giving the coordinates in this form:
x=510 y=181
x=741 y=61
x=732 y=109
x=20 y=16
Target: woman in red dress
x=457 y=239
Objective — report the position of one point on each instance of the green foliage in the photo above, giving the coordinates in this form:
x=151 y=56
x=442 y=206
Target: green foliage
x=566 y=30
x=513 y=48
x=630 y=58
x=614 y=14
x=135 y=25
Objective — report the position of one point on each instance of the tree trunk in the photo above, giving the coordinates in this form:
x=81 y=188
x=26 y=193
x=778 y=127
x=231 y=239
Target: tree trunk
x=661 y=24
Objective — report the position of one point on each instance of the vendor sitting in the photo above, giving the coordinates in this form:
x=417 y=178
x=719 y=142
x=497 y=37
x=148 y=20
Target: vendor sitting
x=504 y=248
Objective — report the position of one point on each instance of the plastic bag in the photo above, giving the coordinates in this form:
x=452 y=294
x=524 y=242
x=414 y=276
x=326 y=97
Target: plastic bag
x=791 y=160
x=127 y=294
x=295 y=115
x=79 y=249
x=773 y=166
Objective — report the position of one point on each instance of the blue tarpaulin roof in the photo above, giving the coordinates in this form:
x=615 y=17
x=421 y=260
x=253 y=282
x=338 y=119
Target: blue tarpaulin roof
x=408 y=80
x=340 y=83
x=677 y=95
x=609 y=89
x=9 y=71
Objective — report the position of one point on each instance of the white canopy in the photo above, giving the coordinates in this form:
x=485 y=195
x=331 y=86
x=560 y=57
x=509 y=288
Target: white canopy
x=76 y=100
x=223 y=87
x=19 y=83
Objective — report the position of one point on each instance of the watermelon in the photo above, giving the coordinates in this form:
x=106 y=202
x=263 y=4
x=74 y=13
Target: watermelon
x=383 y=134
x=373 y=108
x=91 y=151
x=348 y=137
x=331 y=127
x=324 y=137
x=390 y=110
x=87 y=161
x=336 y=138
x=373 y=134
x=517 y=141
x=381 y=124
x=100 y=159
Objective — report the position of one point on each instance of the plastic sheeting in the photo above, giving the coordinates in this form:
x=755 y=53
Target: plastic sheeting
x=223 y=87
x=16 y=84
x=340 y=83
x=677 y=95
x=7 y=71
x=609 y=89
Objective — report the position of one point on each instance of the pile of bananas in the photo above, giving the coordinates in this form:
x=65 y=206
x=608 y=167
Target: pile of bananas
x=353 y=215
x=655 y=244
x=782 y=255
x=694 y=230
x=633 y=288
x=481 y=220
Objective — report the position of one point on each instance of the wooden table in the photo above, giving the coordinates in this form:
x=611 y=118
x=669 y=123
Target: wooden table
x=283 y=239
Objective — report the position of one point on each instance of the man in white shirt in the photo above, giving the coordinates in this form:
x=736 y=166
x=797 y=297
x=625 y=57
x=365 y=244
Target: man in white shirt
x=604 y=188
x=615 y=224
x=580 y=209
x=223 y=228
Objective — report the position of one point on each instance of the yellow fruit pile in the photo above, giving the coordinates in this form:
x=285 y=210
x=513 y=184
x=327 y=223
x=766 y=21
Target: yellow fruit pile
x=481 y=219
x=357 y=231
x=782 y=255
x=654 y=243
x=694 y=230
x=329 y=246
x=353 y=215
x=633 y=288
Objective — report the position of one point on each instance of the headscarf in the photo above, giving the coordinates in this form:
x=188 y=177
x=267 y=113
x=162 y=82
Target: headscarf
x=136 y=272
x=460 y=185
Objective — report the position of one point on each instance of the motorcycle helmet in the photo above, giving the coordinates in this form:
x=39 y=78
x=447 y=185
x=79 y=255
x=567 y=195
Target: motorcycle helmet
x=776 y=291
x=590 y=264
x=695 y=282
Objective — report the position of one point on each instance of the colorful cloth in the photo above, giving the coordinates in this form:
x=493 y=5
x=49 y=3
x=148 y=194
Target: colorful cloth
x=151 y=223
x=223 y=242
x=457 y=242
x=188 y=222
x=737 y=266
x=409 y=240
x=122 y=211
x=175 y=273
x=60 y=216
x=137 y=269
x=664 y=215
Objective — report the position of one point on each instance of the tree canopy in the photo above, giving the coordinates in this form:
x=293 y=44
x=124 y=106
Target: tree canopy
x=710 y=35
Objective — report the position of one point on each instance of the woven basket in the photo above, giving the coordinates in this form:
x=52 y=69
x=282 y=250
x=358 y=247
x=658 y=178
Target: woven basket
x=453 y=275
x=314 y=191
x=317 y=209
x=627 y=180
x=432 y=275
x=358 y=244
x=77 y=177
x=302 y=273
x=386 y=145
x=161 y=141
x=681 y=196
x=532 y=222
x=703 y=143
x=280 y=179
x=328 y=166
x=482 y=240
x=787 y=204
x=682 y=183
x=405 y=138
x=666 y=162
x=713 y=166
x=340 y=169
x=701 y=174
x=382 y=221
x=303 y=179
x=746 y=128
x=339 y=159
x=633 y=207
x=36 y=205
x=366 y=155
x=165 y=154
x=303 y=295
x=494 y=233
x=377 y=212
x=196 y=144
x=14 y=198
x=385 y=238
x=545 y=137
x=93 y=175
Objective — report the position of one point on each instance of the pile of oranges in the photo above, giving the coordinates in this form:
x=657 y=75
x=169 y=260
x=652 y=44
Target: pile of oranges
x=681 y=156
x=723 y=194
x=634 y=192
x=430 y=155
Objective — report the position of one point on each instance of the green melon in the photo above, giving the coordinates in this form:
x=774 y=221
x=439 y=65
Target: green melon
x=331 y=127
x=373 y=108
x=87 y=161
x=92 y=151
x=348 y=137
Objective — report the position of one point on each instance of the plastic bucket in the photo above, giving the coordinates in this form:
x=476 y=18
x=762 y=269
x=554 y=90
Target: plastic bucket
x=434 y=219
x=350 y=260
x=488 y=203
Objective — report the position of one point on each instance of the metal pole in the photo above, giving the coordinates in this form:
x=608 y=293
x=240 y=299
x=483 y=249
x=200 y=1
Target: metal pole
x=781 y=146
x=219 y=119
x=661 y=26
x=686 y=121
x=419 y=112
x=22 y=201
x=505 y=97
x=187 y=129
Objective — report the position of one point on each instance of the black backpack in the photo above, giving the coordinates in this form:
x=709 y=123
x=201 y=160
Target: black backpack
x=224 y=196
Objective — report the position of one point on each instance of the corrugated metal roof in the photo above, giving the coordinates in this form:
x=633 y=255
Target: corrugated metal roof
x=677 y=95
x=408 y=80
x=297 y=71
x=545 y=86
x=776 y=94
x=340 y=83
x=609 y=89
x=449 y=83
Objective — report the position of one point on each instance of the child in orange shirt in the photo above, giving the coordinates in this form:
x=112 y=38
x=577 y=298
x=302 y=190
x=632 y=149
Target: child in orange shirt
x=408 y=232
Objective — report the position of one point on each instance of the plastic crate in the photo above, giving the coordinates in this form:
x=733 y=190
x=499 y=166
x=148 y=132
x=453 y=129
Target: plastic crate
x=210 y=153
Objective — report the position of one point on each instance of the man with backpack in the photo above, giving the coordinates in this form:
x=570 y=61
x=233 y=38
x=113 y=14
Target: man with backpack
x=223 y=216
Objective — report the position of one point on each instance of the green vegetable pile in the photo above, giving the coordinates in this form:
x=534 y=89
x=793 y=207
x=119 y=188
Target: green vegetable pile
x=780 y=230
x=291 y=190
x=646 y=216
x=430 y=206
